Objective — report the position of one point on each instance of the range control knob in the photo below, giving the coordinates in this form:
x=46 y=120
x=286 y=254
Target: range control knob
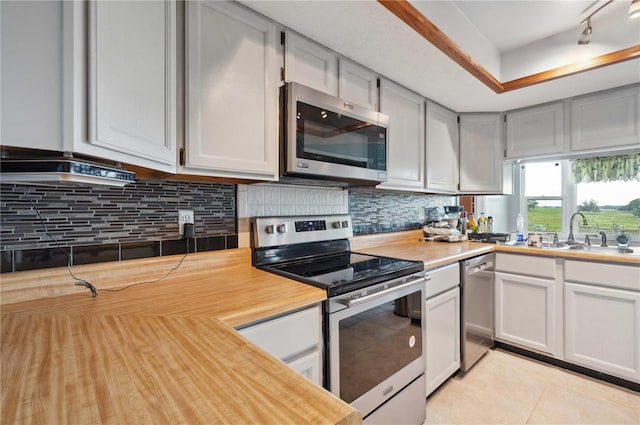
x=270 y=228
x=282 y=228
x=345 y=224
x=336 y=225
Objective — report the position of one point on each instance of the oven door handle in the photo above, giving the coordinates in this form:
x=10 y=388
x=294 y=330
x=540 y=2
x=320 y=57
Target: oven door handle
x=357 y=301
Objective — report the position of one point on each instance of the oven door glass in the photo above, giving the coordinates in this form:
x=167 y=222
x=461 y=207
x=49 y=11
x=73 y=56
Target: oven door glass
x=327 y=136
x=376 y=343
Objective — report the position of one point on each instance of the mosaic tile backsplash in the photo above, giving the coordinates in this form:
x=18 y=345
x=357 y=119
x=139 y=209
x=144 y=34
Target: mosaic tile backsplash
x=371 y=212
x=381 y=212
x=96 y=223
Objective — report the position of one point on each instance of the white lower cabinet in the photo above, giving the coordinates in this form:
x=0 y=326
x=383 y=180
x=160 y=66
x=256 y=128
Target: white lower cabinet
x=602 y=318
x=295 y=338
x=443 y=338
x=526 y=310
x=443 y=325
x=601 y=329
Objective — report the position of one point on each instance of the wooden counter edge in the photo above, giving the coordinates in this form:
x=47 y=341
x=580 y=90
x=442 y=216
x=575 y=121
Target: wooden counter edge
x=577 y=255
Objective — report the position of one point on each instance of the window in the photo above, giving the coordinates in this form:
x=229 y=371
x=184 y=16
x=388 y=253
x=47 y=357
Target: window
x=544 y=196
x=550 y=196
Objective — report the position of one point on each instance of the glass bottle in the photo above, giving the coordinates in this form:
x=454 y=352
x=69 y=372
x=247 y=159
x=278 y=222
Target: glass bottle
x=520 y=227
x=472 y=226
x=482 y=223
x=463 y=223
x=490 y=224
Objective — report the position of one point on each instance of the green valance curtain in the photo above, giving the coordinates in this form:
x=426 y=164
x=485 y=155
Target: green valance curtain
x=606 y=169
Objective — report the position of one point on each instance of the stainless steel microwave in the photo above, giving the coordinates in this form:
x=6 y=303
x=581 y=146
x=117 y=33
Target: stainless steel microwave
x=324 y=137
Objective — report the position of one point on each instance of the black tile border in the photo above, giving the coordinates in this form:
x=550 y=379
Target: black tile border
x=90 y=254
x=6 y=261
x=136 y=250
x=33 y=259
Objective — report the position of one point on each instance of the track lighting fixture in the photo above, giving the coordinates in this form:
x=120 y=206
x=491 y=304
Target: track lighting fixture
x=585 y=37
x=634 y=9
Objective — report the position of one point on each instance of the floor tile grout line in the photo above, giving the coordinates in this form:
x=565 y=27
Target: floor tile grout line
x=535 y=406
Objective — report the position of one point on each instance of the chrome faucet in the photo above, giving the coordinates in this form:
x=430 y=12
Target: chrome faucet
x=570 y=238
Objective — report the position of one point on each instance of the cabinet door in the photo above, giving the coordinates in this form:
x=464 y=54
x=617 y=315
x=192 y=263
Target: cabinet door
x=525 y=311
x=32 y=72
x=132 y=80
x=310 y=64
x=232 y=92
x=405 y=136
x=602 y=329
x=481 y=153
x=358 y=84
x=606 y=121
x=443 y=337
x=535 y=131
x=442 y=143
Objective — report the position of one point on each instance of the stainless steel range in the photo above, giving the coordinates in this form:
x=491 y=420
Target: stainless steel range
x=374 y=319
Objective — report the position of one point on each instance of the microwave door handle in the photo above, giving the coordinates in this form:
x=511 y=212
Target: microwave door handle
x=357 y=301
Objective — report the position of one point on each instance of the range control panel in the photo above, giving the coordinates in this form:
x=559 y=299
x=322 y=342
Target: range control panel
x=275 y=231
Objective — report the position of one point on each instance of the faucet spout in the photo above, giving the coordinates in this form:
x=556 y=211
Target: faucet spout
x=570 y=238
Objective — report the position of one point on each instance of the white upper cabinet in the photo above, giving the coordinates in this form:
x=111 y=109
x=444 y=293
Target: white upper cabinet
x=442 y=149
x=606 y=121
x=123 y=109
x=535 y=131
x=231 y=92
x=132 y=79
x=31 y=74
x=405 y=137
x=481 y=153
x=358 y=84
x=310 y=64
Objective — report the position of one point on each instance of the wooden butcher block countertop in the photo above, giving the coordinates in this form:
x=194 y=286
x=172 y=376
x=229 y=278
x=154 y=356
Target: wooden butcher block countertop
x=163 y=352
x=410 y=246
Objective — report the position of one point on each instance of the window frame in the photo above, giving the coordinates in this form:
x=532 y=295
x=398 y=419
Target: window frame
x=568 y=194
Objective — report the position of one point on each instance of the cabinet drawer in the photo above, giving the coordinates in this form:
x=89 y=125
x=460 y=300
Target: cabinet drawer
x=526 y=264
x=611 y=275
x=287 y=335
x=442 y=279
x=308 y=366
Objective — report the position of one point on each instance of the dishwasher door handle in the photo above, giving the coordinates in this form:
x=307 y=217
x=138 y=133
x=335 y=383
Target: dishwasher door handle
x=479 y=268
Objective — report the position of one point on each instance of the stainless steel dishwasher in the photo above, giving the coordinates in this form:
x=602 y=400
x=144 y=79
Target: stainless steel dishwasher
x=477 y=322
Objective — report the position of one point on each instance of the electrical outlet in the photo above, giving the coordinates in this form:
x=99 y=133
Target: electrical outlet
x=184 y=216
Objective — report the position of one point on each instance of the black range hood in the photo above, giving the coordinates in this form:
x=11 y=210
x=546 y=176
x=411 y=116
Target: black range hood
x=62 y=170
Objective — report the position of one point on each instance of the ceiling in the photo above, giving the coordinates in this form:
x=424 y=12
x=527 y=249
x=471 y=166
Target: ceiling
x=512 y=24
x=510 y=39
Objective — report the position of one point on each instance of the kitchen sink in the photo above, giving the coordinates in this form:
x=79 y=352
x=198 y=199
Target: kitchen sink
x=609 y=249
x=592 y=248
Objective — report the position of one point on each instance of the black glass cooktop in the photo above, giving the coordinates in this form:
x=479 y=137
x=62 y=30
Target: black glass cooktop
x=345 y=272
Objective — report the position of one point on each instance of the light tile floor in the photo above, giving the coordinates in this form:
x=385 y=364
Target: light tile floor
x=504 y=388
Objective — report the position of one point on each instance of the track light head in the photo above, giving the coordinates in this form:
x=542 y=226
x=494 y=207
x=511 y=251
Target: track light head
x=634 y=9
x=585 y=37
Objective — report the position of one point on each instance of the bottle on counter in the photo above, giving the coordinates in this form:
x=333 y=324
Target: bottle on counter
x=472 y=225
x=482 y=223
x=463 y=223
x=490 y=224
x=520 y=227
